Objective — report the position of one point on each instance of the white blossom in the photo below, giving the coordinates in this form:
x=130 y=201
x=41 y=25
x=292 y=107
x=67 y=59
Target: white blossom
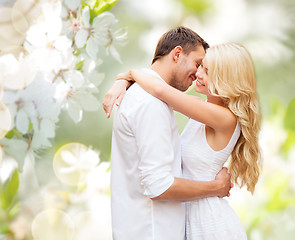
x=91 y=73
x=21 y=107
x=17 y=73
x=57 y=70
x=8 y=65
x=99 y=33
x=46 y=44
x=73 y=4
x=36 y=105
x=15 y=148
x=71 y=15
x=118 y=37
x=75 y=94
x=5 y=120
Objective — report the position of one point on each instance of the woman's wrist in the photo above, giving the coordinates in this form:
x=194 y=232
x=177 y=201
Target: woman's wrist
x=124 y=83
x=125 y=76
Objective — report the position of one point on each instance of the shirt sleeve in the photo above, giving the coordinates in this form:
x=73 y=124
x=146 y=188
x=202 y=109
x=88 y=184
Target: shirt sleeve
x=153 y=133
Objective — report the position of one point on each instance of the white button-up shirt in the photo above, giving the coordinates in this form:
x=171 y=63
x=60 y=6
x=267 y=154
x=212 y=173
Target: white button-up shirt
x=145 y=159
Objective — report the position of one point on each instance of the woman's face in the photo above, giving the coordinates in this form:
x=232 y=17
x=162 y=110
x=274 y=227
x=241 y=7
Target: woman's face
x=202 y=78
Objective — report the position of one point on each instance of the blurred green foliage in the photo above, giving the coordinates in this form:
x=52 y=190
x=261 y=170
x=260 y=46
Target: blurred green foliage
x=289 y=124
x=8 y=190
x=279 y=195
x=198 y=7
x=98 y=6
x=8 y=200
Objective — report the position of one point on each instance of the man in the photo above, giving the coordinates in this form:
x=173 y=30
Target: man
x=146 y=185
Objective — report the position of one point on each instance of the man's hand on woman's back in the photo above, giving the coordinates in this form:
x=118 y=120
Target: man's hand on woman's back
x=224 y=178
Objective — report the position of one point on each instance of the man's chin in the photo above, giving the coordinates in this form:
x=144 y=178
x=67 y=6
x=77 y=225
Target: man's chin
x=184 y=88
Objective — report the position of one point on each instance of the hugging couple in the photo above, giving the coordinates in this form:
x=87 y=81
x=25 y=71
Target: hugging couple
x=170 y=187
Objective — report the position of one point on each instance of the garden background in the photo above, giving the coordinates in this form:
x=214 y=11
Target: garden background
x=58 y=59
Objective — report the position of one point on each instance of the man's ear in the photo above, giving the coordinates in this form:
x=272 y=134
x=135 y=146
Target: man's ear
x=176 y=53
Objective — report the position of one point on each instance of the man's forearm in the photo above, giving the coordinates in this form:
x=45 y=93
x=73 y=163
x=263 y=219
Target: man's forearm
x=188 y=190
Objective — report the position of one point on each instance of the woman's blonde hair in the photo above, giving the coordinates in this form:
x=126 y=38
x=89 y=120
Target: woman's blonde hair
x=232 y=77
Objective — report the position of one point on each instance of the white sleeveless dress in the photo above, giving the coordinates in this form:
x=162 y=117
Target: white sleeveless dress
x=209 y=218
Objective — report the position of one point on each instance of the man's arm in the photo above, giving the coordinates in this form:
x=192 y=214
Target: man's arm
x=152 y=127
x=188 y=190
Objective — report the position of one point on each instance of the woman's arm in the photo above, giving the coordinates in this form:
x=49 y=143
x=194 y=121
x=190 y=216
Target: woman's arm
x=213 y=115
x=115 y=95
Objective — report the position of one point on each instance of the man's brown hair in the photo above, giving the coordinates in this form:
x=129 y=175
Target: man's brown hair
x=180 y=36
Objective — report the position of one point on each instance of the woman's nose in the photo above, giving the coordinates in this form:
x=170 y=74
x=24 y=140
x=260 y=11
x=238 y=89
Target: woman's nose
x=198 y=75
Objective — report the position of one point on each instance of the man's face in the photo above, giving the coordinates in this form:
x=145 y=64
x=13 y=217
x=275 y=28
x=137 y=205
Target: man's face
x=184 y=73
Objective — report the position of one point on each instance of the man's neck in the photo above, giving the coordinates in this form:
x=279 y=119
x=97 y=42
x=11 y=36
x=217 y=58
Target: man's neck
x=162 y=70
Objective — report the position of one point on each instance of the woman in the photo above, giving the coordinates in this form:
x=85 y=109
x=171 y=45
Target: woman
x=226 y=124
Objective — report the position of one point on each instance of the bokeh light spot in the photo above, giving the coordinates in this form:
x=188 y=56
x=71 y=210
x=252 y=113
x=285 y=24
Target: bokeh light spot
x=19 y=21
x=72 y=162
x=11 y=39
x=1 y=90
x=53 y=224
x=91 y=226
